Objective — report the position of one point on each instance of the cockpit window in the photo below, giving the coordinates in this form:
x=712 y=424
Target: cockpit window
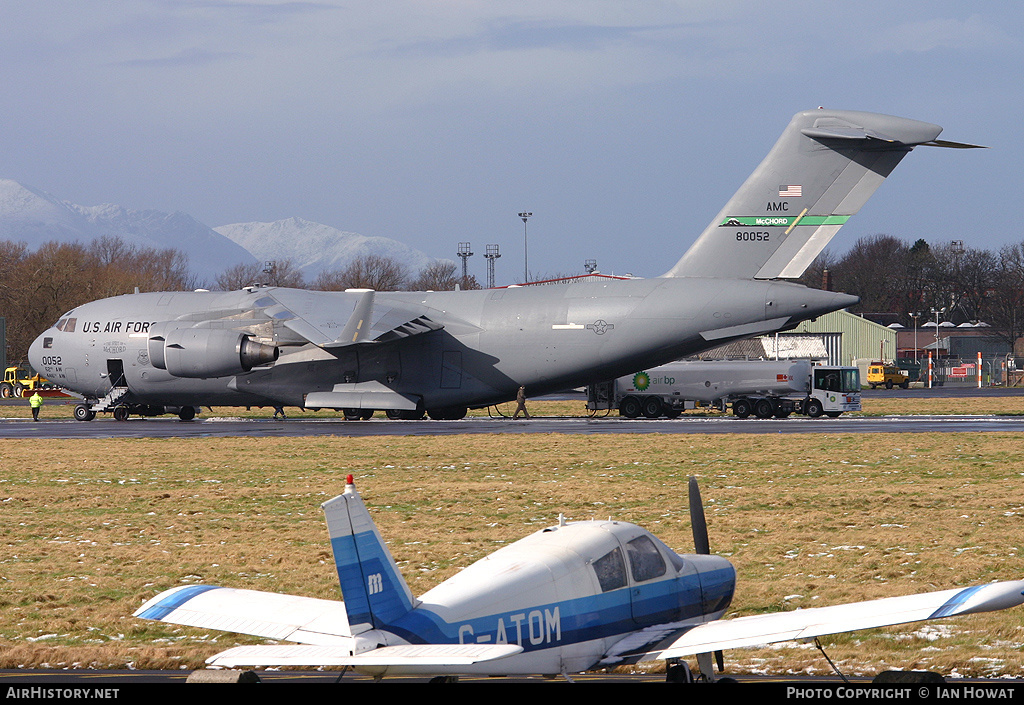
x=68 y=325
x=644 y=559
x=677 y=563
x=611 y=570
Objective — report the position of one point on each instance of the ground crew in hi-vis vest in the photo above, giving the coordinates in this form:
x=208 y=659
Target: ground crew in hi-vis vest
x=35 y=401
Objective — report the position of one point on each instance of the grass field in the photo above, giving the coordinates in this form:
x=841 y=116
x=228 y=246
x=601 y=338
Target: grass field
x=93 y=528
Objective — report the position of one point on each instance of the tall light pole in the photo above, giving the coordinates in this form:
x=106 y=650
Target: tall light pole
x=915 y=316
x=526 y=252
x=937 y=312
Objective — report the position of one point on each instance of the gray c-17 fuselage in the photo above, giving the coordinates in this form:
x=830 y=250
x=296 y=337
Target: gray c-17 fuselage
x=406 y=352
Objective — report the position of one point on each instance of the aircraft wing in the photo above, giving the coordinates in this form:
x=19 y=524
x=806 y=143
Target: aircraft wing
x=306 y=620
x=818 y=621
x=410 y=658
x=346 y=319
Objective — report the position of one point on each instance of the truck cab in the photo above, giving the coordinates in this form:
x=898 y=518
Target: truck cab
x=833 y=391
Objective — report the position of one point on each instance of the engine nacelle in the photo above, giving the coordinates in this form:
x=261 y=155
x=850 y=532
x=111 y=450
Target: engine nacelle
x=206 y=352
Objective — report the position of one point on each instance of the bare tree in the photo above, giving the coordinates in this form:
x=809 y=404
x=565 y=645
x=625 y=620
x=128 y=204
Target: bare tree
x=279 y=273
x=1005 y=305
x=369 y=272
x=439 y=275
x=57 y=277
x=237 y=276
x=874 y=269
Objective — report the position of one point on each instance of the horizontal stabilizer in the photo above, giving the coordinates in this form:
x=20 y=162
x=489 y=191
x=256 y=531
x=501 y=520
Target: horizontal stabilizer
x=306 y=620
x=819 y=621
x=411 y=656
x=953 y=145
x=746 y=330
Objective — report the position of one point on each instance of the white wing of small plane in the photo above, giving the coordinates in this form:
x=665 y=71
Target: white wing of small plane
x=819 y=621
x=413 y=657
x=306 y=620
x=320 y=628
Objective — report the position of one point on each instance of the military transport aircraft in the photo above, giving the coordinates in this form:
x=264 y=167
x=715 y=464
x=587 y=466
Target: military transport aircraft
x=569 y=598
x=440 y=352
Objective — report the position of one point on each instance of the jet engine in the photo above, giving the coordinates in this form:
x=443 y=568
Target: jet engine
x=206 y=352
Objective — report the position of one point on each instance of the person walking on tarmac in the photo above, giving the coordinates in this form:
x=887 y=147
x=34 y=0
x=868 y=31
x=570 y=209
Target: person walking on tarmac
x=35 y=401
x=521 y=403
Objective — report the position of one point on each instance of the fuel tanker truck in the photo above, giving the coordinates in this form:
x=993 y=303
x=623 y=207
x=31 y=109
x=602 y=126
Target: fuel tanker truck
x=761 y=388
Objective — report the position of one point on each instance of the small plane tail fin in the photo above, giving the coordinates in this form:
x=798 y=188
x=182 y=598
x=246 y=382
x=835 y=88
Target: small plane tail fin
x=824 y=167
x=374 y=591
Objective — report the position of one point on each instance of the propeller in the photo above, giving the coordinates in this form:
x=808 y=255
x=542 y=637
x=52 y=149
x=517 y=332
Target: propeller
x=701 y=544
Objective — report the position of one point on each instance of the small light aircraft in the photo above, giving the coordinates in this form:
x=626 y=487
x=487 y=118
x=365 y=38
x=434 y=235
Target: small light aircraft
x=441 y=352
x=569 y=598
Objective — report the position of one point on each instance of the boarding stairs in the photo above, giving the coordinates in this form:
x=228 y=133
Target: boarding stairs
x=113 y=397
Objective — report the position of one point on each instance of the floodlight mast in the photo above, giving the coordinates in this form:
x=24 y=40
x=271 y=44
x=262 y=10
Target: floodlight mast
x=465 y=252
x=526 y=252
x=491 y=255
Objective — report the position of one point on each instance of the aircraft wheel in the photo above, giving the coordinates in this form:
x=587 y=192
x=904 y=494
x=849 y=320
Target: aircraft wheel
x=672 y=413
x=652 y=407
x=84 y=413
x=366 y=414
x=448 y=413
x=833 y=414
x=763 y=409
x=630 y=408
x=678 y=673
x=6 y=390
x=742 y=408
x=352 y=414
x=121 y=413
x=393 y=414
x=187 y=413
x=780 y=414
x=814 y=409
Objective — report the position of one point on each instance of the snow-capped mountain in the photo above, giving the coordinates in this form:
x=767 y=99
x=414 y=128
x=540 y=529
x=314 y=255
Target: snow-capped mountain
x=314 y=247
x=35 y=217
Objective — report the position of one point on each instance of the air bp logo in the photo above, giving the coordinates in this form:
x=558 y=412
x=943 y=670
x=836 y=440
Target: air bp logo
x=641 y=381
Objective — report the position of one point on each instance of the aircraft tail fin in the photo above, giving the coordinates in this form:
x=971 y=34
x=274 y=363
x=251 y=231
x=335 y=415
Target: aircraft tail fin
x=821 y=171
x=374 y=591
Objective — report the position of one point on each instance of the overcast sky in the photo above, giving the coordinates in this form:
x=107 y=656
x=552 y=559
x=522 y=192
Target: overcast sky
x=623 y=126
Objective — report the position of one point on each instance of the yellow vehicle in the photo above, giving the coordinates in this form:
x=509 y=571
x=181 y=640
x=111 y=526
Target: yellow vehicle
x=880 y=373
x=12 y=386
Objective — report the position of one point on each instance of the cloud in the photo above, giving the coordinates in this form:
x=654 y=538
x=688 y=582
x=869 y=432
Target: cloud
x=941 y=34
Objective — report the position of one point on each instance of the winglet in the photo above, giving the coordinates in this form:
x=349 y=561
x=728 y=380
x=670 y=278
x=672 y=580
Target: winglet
x=374 y=591
x=359 y=322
